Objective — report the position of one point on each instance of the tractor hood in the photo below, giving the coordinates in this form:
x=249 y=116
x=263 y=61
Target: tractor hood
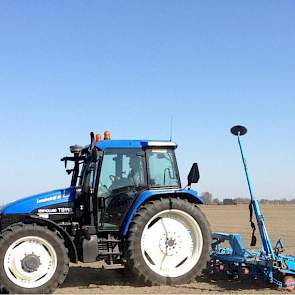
x=32 y=203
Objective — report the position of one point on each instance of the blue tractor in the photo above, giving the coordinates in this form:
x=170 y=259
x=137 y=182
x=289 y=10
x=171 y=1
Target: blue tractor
x=125 y=206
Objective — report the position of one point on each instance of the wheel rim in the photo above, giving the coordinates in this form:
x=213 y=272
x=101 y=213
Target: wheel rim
x=171 y=243
x=30 y=262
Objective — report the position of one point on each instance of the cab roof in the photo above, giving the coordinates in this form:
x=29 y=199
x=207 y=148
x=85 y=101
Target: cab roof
x=136 y=144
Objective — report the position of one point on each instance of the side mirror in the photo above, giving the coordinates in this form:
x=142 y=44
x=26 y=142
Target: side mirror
x=194 y=174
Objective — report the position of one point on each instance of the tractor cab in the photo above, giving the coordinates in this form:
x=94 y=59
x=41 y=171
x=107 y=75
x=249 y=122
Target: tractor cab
x=110 y=174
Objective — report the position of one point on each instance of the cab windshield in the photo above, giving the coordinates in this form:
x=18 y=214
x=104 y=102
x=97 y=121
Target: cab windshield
x=162 y=168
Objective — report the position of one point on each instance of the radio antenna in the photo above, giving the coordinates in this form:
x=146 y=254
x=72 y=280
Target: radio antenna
x=171 y=127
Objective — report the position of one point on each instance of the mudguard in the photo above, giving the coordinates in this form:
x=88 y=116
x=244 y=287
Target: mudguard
x=151 y=194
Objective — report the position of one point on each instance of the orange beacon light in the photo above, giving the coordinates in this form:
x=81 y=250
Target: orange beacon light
x=97 y=137
x=107 y=135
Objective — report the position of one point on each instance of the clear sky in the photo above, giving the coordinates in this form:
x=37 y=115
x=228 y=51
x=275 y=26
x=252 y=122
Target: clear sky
x=70 y=67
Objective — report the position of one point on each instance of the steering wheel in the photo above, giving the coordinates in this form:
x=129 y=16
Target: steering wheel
x=113 y=178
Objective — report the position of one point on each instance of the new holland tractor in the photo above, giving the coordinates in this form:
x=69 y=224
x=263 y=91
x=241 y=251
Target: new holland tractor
x=125 y=206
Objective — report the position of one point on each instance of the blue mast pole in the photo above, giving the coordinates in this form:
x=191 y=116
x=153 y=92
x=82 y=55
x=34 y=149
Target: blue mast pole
x=246 y=169
x=266 y=244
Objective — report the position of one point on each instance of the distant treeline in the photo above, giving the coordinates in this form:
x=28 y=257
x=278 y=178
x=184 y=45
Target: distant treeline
x=209 y=199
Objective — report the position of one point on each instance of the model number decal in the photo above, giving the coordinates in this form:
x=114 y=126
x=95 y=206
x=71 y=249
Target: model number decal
x=63 y=210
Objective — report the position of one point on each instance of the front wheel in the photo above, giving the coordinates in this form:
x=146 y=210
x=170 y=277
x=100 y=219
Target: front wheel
x=33 y=259
x=168 y=242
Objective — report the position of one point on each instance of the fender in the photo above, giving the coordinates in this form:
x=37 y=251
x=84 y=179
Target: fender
x=152 y=194
x=13 y=218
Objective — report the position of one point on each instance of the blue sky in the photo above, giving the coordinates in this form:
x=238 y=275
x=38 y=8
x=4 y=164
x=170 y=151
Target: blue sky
x=69 y=67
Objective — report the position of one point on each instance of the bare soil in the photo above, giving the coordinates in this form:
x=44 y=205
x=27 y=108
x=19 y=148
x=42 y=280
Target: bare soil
x=280 y=222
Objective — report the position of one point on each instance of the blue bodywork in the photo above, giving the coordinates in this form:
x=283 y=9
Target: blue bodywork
x=136 y=144
x=105 y=144
x=148 y=194
x=29 y=204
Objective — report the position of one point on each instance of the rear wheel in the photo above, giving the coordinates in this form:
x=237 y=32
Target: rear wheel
x=168 y=242
x=33 y=259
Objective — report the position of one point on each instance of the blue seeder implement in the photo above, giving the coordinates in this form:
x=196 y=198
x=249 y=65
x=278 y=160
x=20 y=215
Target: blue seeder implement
x=268 y=264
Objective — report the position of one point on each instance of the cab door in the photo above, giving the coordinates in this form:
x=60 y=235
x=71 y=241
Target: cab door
x=122 y=178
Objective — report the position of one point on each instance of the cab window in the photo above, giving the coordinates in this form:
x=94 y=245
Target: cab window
x=162 y=169
x=121 y=169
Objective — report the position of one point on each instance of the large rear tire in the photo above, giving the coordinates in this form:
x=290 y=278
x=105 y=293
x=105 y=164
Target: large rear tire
x=33 y=259
x=168 y=242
